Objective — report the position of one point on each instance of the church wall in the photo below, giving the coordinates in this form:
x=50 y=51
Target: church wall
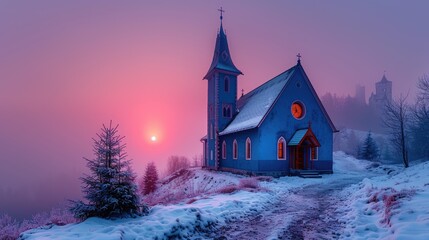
x=240 y=163
x=280 y=122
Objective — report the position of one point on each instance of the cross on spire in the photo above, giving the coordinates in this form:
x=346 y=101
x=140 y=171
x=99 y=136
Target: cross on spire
x=221 y=13
x=299 y=57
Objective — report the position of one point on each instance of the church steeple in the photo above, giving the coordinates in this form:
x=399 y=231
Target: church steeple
x=222 y=60
x=221 y=95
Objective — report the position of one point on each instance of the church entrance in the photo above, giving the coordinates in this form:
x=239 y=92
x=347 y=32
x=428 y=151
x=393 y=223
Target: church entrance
x=300 y=147
x=300 y=157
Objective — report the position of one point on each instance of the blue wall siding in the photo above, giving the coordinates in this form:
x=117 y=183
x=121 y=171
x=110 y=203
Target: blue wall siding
x=224 y=97
x=280 y=122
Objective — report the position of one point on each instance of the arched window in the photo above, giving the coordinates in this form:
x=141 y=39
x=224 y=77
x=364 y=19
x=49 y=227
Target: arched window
x=234 y=149
x=281 y=149
x=226 y=110
x=211 y=131
x=226 y=84
x=248 y=149
x=223 y=150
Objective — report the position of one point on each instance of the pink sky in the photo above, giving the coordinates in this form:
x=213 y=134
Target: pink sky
x=68 y=67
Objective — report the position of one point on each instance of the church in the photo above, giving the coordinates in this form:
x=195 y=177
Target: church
x=280 y=128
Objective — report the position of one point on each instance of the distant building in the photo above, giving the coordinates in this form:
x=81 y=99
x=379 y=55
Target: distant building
x=382 y=96
x=360 y=94
x=279 y=128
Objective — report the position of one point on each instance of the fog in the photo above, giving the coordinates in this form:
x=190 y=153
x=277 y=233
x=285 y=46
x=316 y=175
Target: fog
x=68 y=67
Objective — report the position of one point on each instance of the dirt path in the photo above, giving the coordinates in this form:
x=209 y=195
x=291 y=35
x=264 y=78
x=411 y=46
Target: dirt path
x=306 y=213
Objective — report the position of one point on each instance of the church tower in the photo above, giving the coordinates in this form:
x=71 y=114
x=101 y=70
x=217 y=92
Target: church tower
x=222 y=94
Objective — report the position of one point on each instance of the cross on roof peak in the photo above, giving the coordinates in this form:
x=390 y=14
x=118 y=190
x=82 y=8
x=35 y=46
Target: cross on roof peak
x=221 y=13
x=299 y=57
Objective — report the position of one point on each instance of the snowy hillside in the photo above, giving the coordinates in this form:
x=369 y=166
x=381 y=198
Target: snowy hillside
x=386 y=201
x=392 y=206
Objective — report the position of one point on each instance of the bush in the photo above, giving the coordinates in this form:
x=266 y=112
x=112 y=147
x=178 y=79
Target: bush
x=248 y=183
x=227 y=189
x=9 y=228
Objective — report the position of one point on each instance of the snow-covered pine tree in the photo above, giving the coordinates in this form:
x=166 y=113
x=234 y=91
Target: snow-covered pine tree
x=149 y=180
x=369 y=149
x=109 y=189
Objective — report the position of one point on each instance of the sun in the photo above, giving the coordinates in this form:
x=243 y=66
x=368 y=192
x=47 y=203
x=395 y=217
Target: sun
x=153 y=138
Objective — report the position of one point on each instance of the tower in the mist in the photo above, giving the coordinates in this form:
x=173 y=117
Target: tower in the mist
x=360 y=94
x=383 y=94
x=222 y=93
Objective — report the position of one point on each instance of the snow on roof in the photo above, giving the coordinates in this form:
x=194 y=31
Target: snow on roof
x=254 y=105
x=297 y=137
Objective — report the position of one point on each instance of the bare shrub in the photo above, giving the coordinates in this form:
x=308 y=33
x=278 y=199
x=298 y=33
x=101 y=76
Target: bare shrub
x=227 y=189
x=176 y=163
x=386 y=200
x=264 y=178
x=9 y=228
x=249 y=183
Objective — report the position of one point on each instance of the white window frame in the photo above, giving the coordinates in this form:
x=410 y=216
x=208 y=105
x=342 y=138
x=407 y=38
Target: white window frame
x=234 y=149
x=281 y=139
x=248 y=149
x=224 y=150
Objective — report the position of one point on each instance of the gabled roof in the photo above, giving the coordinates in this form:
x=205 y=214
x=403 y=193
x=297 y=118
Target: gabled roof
x=256 y=104
x=297 y=137
x=301 y=135
x=222 y=58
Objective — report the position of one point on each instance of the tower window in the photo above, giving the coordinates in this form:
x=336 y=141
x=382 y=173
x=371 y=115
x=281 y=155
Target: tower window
x=226 y=110
x=223 y=150
x=281 y=149
x=248 y=149
x=234 y=149
x=226 y=84
x=211 y=131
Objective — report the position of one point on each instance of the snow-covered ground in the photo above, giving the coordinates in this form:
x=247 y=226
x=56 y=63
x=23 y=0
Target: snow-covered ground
x=389 y=203
x=394 y=205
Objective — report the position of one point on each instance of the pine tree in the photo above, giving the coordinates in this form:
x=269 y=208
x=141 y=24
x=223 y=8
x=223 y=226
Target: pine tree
x=109 y=189
x=149 y=180
x=369 y=150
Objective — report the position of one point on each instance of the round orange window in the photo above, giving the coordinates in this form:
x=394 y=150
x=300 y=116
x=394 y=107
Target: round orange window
x=297 y=110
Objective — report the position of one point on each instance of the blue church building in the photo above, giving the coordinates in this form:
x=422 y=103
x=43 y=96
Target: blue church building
x=280 y=128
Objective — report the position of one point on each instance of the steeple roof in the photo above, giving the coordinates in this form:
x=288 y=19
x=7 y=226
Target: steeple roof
x=384 y=79
x=222 y=58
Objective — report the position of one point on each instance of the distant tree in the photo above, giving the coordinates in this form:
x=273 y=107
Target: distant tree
x=148 y=183
x=369 y=149
x=395 y=120
x=197 y=160
x=176 y=163
x=420 y=120
x=109 y=189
